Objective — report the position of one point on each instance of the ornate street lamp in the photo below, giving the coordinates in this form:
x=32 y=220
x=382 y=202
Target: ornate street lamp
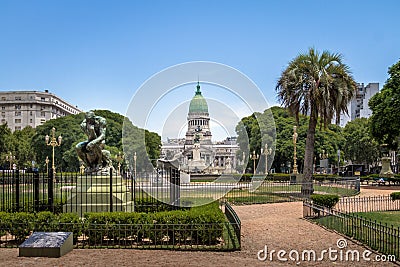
x=53 y=142
x=266 y=152
x=294 y=152
x=47 y=165
x=134 y=160
x=254 y=157
x=119 y=158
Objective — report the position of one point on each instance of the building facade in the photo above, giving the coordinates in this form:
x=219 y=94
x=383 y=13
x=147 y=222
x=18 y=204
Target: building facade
x=358 y=106
x=197 y=153
x=32 y=108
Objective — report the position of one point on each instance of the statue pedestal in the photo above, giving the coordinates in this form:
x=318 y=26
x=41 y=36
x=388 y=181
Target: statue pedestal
x=94 y=194
x=386 y=170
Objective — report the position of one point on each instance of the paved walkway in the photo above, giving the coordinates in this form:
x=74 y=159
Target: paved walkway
x=279 y=226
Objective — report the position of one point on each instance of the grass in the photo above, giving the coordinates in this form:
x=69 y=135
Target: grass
x=378 y=230
x=391 y=218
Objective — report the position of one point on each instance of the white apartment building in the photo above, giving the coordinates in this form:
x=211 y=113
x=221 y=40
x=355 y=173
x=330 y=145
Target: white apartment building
x=32 y=108
x=358 y=106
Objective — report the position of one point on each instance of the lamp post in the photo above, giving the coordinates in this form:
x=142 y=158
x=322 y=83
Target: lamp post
x=315 y=160
x=266 y=152
x=294 y=150
x=53 y=142
x=47 y=165
x=119 y=158
x=254 y=157
x=10 y=158
x=134 y=166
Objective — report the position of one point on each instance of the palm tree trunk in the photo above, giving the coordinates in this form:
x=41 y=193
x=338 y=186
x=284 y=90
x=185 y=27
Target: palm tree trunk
x=307 y=187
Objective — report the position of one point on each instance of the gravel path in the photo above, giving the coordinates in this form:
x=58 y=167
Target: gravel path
x=279 y=226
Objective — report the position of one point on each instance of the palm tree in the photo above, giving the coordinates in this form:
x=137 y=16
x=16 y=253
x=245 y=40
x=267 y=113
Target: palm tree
x=318 y=85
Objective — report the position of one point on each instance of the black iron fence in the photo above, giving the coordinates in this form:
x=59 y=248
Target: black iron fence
x=380 y=237
x=147 y=192
x=367 y=204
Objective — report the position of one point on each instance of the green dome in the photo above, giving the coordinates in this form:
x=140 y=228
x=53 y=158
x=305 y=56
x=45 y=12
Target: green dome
x=198 y=103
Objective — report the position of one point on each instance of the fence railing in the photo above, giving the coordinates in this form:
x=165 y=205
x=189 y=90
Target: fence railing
x=234 y=221
x=378 y=236
x=367 y=204
x=152 y=191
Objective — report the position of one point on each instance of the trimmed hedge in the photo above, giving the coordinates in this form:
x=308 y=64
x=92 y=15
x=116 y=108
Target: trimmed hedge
x=325 y=200
x=22 y=224
x=198 y=225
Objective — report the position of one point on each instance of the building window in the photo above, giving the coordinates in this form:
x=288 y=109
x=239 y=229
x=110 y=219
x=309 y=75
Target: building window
x=17 y=128
x=43 y=114
x=17 y=120
x=30 y=120
x=17 y=98
x=30 y=113
x=3 y=108
x=3 y=121
x=3 y=98
x=3 y=114
x=42 y=121
x=43 y=99
x=17 y=113
x=31 y=106
x=17 y=106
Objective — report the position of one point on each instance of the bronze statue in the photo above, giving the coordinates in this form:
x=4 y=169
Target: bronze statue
x=92 y=152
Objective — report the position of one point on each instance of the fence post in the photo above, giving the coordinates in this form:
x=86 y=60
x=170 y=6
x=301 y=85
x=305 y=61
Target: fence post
x=36 y=191
x=111 y=190
x=17 y=190
x=50 y=191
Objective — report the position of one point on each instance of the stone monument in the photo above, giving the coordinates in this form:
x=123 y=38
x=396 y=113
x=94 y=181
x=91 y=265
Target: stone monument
x=386 y=171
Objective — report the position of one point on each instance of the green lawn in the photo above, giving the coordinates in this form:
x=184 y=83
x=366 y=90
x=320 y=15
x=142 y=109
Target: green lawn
x=385 y=217
x=369 y=228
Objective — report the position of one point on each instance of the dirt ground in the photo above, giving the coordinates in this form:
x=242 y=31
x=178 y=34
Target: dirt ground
x=278 y=226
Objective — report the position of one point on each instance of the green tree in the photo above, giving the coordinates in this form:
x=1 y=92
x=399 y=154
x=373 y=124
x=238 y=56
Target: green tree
x=249 y=140
x=5 y=143
x=360 y=147
x=318 y=84
x=22 y=145
x=385 y=106
x=329 y=139
x=69 y=127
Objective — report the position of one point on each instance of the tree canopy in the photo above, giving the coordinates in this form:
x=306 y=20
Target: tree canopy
x=29 y=144
x=359 y=146
x=329 y=139
x=385 y=106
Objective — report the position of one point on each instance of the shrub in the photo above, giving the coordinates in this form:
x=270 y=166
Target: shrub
x=395 y=195
x=5 y=223
x=44 y=221
x=202 y=225
x=22 y=225
x=325 y=200
x=70 y=222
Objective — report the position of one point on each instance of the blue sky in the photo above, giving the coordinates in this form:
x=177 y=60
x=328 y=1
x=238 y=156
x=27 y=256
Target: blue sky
x=96 y=54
